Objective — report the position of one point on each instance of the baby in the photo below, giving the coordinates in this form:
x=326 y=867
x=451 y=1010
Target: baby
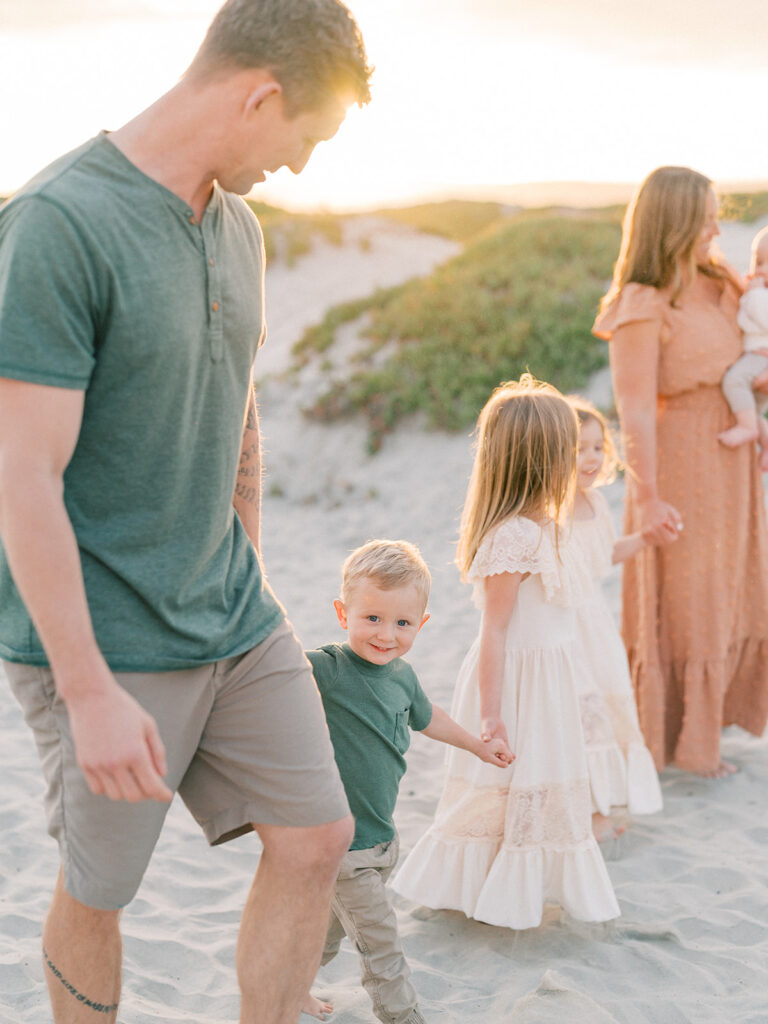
x=747 y=406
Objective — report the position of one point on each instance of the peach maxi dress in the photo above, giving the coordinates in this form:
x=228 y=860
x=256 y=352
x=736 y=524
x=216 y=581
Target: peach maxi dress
x=695 y=613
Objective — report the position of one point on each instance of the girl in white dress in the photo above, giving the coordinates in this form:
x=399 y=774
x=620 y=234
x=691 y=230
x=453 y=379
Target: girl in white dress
x=621 y=769
x=498 y=850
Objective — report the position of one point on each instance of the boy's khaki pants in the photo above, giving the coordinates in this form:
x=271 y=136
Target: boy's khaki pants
x=362 y=911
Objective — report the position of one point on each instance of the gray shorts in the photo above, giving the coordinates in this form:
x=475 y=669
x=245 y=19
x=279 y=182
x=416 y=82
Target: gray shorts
x=246 y=742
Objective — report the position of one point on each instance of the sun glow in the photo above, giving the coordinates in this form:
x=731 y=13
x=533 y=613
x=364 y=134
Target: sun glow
x=459 y=101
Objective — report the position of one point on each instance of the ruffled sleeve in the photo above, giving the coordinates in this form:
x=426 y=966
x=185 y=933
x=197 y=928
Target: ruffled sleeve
x=635 y=303
x=517 y=545
x=512 y=546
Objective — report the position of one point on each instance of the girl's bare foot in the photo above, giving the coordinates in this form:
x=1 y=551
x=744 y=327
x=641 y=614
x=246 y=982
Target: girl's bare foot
x=605 y=829
x=723 y=769
x=316 y=1007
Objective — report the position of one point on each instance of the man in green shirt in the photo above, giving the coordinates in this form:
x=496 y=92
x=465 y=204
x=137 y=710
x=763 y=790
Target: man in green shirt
x=372 y=699
x=137 y=630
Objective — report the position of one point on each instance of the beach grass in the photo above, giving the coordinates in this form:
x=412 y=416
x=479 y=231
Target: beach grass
x=521 y=296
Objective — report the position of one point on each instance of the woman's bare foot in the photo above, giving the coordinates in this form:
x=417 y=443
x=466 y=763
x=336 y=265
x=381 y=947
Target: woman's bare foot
x=723 y=769
x=737 y=435
x=316 y=1007
x=605 y=829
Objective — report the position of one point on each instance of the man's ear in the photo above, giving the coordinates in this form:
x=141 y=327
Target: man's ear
x=426 y=616
x=260 y=93
x=341 y=612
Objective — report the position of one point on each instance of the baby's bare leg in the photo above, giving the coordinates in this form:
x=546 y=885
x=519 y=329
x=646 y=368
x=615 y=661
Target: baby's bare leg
x=744 y=431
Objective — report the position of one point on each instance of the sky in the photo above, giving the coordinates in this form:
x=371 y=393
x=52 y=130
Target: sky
x=467 y=94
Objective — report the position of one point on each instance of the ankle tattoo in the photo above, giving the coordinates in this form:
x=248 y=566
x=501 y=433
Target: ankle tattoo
x=90 y=1003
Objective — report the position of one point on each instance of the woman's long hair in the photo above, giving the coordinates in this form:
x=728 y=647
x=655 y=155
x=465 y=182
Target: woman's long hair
x=661 y=227
x=525 y=461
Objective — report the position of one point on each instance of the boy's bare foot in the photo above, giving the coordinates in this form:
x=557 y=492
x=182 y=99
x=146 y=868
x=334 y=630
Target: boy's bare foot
x=605 y=829
x=737 y=435
x=316 y=1007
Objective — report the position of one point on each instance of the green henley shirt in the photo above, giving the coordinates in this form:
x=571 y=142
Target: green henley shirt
x=109 y=285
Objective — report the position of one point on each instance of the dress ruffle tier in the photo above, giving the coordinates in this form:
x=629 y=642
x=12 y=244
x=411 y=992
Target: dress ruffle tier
x=506 y=842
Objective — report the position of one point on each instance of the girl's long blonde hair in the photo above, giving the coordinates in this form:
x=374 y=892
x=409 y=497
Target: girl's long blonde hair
x=661 y=226
x=525 y=461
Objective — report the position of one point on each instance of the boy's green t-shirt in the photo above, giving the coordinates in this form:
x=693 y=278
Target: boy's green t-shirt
x=369 y=709
x=108 y=285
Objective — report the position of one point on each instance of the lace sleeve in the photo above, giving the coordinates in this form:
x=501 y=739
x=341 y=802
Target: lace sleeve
x=513 y=546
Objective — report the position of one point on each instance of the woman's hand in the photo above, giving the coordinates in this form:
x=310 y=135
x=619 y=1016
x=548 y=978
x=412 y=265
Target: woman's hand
x=660 y=522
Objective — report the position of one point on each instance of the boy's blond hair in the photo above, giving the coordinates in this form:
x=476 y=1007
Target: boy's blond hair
x=586 y=411
x=525 y=461
x=387 y=564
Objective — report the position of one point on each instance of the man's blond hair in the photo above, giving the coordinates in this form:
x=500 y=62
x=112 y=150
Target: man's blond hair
x=387 y=564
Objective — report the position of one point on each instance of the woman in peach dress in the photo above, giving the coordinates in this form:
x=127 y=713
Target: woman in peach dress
x=695 y=608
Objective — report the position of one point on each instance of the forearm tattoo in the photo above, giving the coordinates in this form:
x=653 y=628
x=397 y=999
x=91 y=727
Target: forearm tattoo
x=248 y=483
x=92 y=1004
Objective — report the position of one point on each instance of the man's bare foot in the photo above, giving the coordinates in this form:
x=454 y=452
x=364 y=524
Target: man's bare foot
x=737 y=435
x=723 y=769
x=316 y=1007
x=605 y=829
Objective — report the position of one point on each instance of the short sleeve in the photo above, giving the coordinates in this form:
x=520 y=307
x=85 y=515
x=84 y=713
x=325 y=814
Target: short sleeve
x=421 y=708
x=634 y=304
x=324 y=668
x=47 y=296
x=517 y=545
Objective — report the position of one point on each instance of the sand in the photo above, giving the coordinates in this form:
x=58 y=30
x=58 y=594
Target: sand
x=691 y=946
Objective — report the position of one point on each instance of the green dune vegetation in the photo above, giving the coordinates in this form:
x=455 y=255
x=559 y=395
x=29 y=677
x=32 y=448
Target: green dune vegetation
x=521 y=296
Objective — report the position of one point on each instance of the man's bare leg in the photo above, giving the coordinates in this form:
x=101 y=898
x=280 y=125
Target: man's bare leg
x=82 y=951
x=286 y=917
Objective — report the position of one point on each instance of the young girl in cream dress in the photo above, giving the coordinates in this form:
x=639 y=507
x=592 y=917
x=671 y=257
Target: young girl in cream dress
x=498 y=850
x=621 y=769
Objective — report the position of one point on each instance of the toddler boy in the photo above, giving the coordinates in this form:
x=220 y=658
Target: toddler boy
x=371 y=698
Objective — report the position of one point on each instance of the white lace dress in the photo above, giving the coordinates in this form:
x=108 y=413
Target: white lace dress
x=621 y=769
x=505 y=842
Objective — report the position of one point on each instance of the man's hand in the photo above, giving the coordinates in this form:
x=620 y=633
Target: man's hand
x=117 y=745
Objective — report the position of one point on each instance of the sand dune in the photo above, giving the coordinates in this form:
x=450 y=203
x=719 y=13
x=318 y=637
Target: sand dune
x=691 y=946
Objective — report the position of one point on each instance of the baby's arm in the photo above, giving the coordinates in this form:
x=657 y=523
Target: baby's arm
x=443 y=729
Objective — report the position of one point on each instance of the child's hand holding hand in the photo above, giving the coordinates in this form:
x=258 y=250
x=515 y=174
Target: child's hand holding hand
x=497 y=752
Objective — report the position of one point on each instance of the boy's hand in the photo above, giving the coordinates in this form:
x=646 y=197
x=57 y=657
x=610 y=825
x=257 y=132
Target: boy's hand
x=496 y=752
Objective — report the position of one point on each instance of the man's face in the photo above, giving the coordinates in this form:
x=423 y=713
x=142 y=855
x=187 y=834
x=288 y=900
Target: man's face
x=272 y=140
